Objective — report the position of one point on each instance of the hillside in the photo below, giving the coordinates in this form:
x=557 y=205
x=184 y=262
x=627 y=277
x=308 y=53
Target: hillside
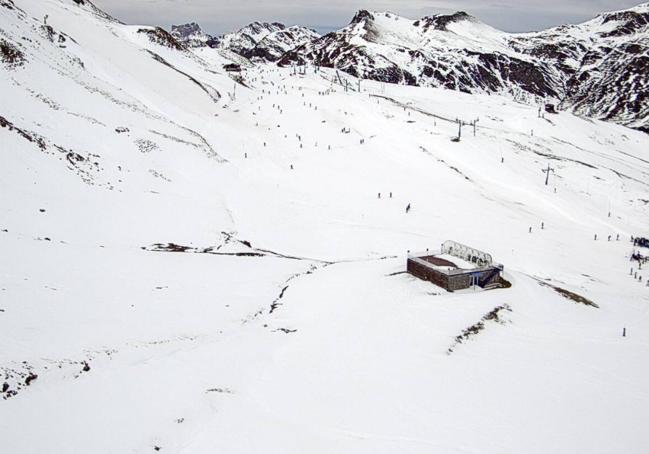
x=196 y=261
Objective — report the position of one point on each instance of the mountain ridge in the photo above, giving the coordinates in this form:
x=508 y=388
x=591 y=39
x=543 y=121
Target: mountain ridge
x=574 y=66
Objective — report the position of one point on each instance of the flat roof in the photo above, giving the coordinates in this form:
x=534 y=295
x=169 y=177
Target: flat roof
x=447 y=264
x=448 y=261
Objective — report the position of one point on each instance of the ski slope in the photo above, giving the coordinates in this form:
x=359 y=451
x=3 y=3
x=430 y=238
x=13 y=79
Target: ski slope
x=199 y=268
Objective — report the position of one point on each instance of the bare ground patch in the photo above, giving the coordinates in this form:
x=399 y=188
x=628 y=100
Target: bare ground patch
x=494 y=315
x=569 y=295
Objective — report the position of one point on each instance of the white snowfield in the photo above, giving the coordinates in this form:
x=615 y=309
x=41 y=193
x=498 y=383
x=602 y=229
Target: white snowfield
x=193 y=268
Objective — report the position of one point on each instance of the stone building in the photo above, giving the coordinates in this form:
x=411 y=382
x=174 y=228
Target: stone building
x=456 y=267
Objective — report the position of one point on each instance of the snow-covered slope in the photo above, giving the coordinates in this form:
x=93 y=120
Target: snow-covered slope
x=598 y=68
x=192 y=265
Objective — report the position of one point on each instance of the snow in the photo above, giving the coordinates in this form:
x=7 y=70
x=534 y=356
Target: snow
x=309 y=338
x=462 y=264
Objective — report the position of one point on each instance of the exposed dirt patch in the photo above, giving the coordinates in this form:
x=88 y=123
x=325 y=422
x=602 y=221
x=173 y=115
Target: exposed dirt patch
x=173 y=247
x=275 y=304
x=30 y=136
x=569 y=295
x=159 y=36
x=10 y=55
x=85 y=167
x=494 y=315
x=285 y=330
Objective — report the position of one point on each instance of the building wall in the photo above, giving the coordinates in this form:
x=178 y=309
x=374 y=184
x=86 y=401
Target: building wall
x=427 y=274
x=452 y=282
x=459 y=282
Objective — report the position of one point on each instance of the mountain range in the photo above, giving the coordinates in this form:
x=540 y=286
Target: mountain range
x=598 y=69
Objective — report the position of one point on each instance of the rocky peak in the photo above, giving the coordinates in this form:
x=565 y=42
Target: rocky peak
x=260 y=28
x=628 y=22
x=191 y=35
x=362 y=15
x=185 y=31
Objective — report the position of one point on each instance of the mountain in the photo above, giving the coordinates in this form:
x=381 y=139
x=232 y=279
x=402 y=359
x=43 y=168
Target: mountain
x=245 y=39
x=195 y=260
x=258 y=41
x=263 y=41
x=192 y=35
x=597 y=68
x=452 y=51
x=275 y=44
x=604 y=64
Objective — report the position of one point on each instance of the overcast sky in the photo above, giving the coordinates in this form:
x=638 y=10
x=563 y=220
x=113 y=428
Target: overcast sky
x=219 y=16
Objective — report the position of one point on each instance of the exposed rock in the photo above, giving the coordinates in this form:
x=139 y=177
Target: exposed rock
x=191 y=35
x=30 y=378
x=160 y=36
x=262 y=41
x=10 y=55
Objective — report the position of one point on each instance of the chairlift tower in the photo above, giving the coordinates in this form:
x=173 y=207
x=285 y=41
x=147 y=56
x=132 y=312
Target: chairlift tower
x=547 y=174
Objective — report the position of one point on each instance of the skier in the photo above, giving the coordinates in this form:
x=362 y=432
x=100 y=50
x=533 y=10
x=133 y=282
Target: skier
x=408 y=209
